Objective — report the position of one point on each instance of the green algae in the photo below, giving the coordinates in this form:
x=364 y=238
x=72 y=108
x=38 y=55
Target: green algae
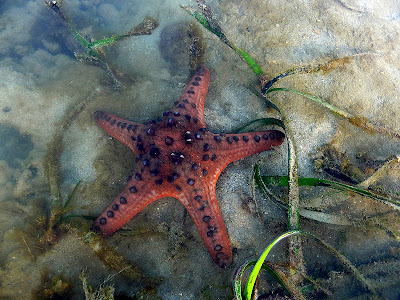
x=95 y=54
x=51 y=164
x=56 y=287
x=103 y=292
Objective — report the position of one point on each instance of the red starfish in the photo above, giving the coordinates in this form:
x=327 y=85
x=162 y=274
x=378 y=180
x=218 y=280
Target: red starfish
x=178 y=157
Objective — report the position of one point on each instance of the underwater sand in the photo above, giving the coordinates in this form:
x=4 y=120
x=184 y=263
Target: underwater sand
x=47 y=101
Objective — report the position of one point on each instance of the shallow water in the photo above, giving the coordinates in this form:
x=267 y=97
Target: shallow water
x=51 y=143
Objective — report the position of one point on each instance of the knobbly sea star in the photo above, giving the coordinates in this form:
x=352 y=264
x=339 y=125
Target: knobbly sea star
x=178 y=157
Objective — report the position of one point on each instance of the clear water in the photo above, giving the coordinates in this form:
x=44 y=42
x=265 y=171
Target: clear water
x=50 y=143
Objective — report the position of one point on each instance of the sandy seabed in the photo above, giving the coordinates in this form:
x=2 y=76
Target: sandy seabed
x=47 y=100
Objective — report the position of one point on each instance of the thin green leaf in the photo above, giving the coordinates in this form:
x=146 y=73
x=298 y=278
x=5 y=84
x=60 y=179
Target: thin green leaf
x=86 y=217
x=309 y=69
x=270 y=103
x=325 y=217
x=198 y=16
x=211 y=23
x=217 y=30
x=257 y=268
x=310 y=214
x=237 y=280
x=63 y=218
x=283 y=181
x=356 y=121
x=84 y=43
x=72 y=194
x=305 y=69
x=331 y=107
x=264 y=189
x=105 y=42
x=250 y=61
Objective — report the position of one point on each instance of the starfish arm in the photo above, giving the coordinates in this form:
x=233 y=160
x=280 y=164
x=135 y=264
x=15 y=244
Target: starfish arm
x=191 y=103
x=123 y=130
x=133 y=198
x=224 y=149
x=202 y=205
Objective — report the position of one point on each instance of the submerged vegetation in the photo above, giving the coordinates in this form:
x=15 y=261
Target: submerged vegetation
x=95 y=54
x=103 y=292
x=294 y=276
x=55 y=224
x=284 y=191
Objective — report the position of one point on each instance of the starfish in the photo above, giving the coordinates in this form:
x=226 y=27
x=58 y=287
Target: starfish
x=178 y=157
